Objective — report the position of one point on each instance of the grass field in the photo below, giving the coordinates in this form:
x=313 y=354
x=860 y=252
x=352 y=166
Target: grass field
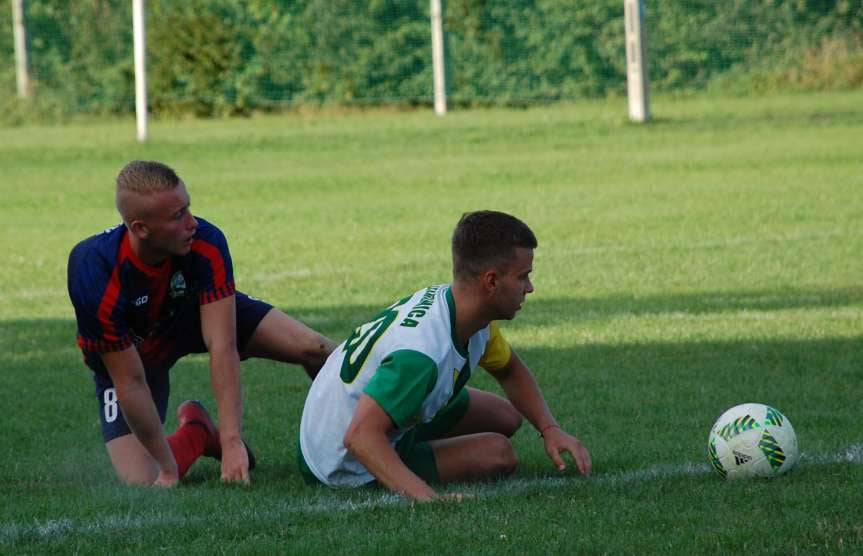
x=710 y=258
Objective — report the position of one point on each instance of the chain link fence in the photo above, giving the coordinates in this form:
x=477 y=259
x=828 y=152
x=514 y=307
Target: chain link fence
x=221 y=57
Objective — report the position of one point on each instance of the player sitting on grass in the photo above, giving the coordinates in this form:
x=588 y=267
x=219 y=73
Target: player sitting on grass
x=152 y=291
x=390 y=404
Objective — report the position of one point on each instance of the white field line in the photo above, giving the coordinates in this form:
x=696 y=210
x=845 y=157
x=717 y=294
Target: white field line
x=39 y=530
x=852 y=454
x=11 y=533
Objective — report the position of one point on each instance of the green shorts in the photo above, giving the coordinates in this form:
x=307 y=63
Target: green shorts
x=413 y=448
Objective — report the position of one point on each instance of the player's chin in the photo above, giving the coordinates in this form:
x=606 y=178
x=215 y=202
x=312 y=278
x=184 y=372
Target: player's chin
x=511 y=314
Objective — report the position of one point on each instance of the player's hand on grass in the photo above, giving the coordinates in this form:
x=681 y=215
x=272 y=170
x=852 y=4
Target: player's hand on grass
x=235 y=461
x=167 y=477
x=558 y=441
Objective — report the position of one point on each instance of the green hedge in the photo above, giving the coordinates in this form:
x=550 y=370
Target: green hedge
x=214 y=57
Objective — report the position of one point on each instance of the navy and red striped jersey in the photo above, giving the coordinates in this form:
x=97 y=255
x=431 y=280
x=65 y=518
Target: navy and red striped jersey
x=119 y=300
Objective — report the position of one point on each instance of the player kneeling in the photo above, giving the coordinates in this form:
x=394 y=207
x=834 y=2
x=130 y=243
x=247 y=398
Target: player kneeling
x=151 y=291
x=390 y=403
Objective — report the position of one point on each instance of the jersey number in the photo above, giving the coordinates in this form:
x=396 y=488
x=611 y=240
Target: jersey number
x=363 y=339
x=110 y=408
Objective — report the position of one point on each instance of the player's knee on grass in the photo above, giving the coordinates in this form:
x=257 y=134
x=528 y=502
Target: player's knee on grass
x=486 y=455
x=492 y=457
x=132 y=463
x=489 y=413
x=500 y=456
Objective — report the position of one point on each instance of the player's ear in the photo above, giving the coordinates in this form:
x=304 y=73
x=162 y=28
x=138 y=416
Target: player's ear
x=140 y=229
x=489 y=279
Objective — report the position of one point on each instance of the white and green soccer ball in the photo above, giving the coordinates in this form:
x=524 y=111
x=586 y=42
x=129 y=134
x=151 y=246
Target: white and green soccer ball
x=752 y=440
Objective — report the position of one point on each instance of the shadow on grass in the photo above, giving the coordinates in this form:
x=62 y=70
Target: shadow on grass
x=27 y=335
x=537 y=310
x=660 y=393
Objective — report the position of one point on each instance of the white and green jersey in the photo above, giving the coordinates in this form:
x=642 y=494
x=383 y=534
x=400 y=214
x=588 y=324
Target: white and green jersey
x=408 y=360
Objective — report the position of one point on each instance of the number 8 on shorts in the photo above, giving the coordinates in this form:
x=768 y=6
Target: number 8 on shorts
x=110 y=407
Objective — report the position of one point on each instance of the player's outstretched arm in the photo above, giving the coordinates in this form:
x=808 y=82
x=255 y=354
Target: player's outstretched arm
x=133 y=395
x=219 y=330
x=523 y=391
x=366 y=439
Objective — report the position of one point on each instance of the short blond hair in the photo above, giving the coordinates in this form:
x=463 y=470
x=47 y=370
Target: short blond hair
x=143 y=177
x=147 y=176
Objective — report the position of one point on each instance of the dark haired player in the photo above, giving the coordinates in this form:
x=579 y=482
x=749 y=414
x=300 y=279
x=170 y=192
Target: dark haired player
x=150 y=291
x=390 y=404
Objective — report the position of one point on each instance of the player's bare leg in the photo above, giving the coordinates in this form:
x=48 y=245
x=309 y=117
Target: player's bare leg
x=487 y=412
x=472 y=457
x=132 y=462
x=282 y=338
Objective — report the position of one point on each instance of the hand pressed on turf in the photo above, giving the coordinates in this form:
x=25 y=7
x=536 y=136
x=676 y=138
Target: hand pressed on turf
x=235 y=461
x=167 y=478
x=557 y=440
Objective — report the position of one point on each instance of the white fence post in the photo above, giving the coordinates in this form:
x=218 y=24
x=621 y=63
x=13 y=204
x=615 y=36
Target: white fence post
x=19 y=31
x=140 y=42
x=637 y=83
x=437 y=59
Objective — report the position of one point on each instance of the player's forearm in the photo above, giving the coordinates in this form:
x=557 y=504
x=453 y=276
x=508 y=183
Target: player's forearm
x=143 y=419
x=227 y=387
x=378 y=456
x=524 y=393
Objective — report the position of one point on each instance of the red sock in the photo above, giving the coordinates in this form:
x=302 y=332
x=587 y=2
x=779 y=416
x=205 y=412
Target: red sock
x=188 y=445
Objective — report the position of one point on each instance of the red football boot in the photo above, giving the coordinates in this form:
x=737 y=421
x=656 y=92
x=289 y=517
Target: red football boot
x=193 y=411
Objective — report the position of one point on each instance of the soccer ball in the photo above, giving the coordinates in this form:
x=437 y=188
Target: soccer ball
x=752 y=440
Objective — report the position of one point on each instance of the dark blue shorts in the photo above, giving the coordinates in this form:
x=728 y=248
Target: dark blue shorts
x=250 y=312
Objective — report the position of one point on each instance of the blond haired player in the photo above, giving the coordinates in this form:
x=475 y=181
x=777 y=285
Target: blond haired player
x=151 y=291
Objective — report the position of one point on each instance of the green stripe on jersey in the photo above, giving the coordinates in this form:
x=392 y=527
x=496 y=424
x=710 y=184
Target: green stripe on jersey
x=401 y=383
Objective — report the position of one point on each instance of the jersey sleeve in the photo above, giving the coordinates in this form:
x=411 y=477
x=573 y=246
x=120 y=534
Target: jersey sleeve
x=497 y=350
x=98 y=298
x=211 y=263
x=401 y=384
